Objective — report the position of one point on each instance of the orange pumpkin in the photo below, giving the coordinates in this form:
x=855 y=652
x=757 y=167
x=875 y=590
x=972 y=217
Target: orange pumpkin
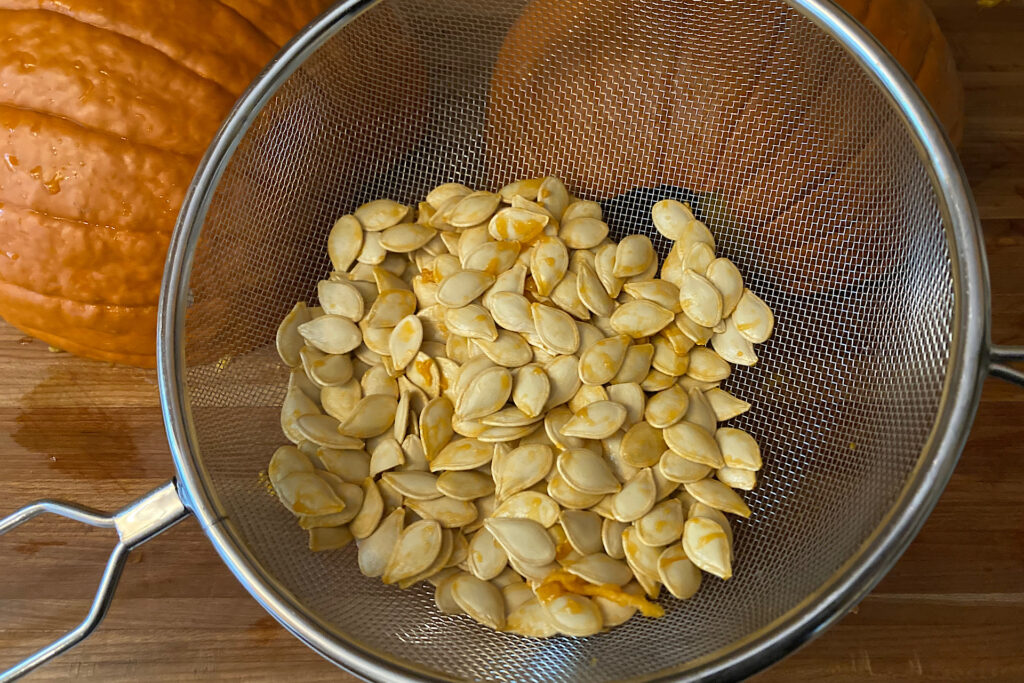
x=107 y=106
x=693 y=119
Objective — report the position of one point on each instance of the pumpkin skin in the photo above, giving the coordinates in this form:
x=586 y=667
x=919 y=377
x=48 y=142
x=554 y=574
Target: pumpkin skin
x=106 y=107
x=727 y=131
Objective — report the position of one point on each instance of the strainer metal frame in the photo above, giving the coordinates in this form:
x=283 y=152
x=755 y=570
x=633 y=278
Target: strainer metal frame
x=971 y=355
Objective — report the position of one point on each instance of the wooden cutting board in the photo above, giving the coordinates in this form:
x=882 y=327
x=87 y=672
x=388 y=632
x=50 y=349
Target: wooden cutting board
x=951 y=609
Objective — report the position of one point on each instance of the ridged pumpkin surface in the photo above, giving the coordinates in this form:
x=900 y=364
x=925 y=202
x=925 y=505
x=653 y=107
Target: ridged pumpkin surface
x=106 y=107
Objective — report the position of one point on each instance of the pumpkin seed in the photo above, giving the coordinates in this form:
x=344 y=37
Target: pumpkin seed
x=675 y=221
x=406 y=237
x=667 y=360
x=415 y=458
x=519 y=225
x=390 y=307
x=571 y=614
x=663 y=486
x=699 y=411
x=521 y=468
x=443 y=595
x=642 y=445
x=667 y=407
x=635 y=365
x=633 y=255
x=662 y=525
x=373 y=252
x=676 y=468
x=288 y=460
x=631 y=397
x=698 y=257
x=296 y=404
x=344 y=242
x=523 y=539
x=611 y=537
x=323 y=431
x=566 y=297
x=556 y=329
x=425 y=291
x=511 y=311
x=707 y=366
x=510 y=417
x=733 y=477
x=592 y=292
x=526 y=189
x=604 y=267
x=509 y=350
x=699 y=299
x=447 y=545
x=412 y=484
x=442 y=193
x=636 y=498
x=462 y=454
x=582 y=209
x=531 y=389
x=465 y=485
x=693 y=443
x=330 y=370
x=719 y=496
x=473 y=209
x=472 y=321
x=485 y=393
x=351 y=465
x=331 y=334
x=640 y=318
x=601 y=362
x=583 y=232
x=366 y=520
x=549 y=262
x=387 y=455
x=530 y=619
x=485 y=558
x=739 y=449
x=376 y=549
x=492 y=257
x=698 y=334
x=405 y=340
x=586 y=472
x=563 y=377
x=480 y=600
x=672 y=266
x=298 y=380
x=380 y=214
x=657 y=380
x=706 y=545
x=376 y=339
x=372 y=416
x=725 y=405
x=448 y=512
x=435 y=424
x=512 y=280
x=754 y=320
x=339 y=402
x=582 y=530
x=515 y=593
x=599 y=569
x=661 y=292
x=726 y=278
x=568 y=497
x=733 y=346
x=553 y=196
x=679 y=575
x=538 y=507
x=377 y=381
x=461 y=288
x=643 y=560
x=598 y=420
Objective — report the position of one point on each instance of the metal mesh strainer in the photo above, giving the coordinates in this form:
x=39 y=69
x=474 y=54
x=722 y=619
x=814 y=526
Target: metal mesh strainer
x=861 y=400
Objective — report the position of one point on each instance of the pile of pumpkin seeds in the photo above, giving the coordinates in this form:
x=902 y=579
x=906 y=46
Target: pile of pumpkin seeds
x=495 y=397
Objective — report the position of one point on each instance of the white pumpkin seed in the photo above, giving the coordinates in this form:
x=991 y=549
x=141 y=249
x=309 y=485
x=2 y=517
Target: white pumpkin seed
x=641 y=445
x=373 y=252
x=380 y=214
x=719 y=496
x=386 y=455
x=706 y=545
x=566 y=297
x=699 y=411
x=667 y=360
x=485 y=394
x=582 y=530
x=442 y=193
x=515 y=593
x=406 y=237
x=405 y=340
x=331 y=334
x=521 y=468
x=674 y=467
x=556 y=329
x=519 y=225
x=662 y=525
x=530 y=389
x=472 y=321
x=523 y=539
x=549 y=262
x=376 y=549
x=465 y=485
x=568 y=497
x=600 y=569
x=473 y=209
x=533 y=505
x=333 y=538
x=601 y=362
x=676 y=222
x=604 y=266
x=366 y=520
x=592 y=292
x=448 y=512
x=636 y=498
x=462 y=454
x=492 y=257
x=289 y=341
x=661 y=292
x=461 y=288
x=323 y=431
x=372 y=416
x=726 y=278
x=344 y=242
x=553 y=196
x=633 y=255
x=435 y=425
x=678 y=574
x=509 y=350
x=699 y=299
x=390 y=307
x=725 y=405
x=573 y=615
x=611 y=537
x=754 y=320
x=340 y=401
x=583 y=232
x=744 y=480
x=586 y=472
x=598 y=420
x=667 y=407
x=733 y=346
x=640 y=318
x=636 y=365
x=351 y=465
x=412 y=484
x=698 y=257
x=693 y=443
x=698 y=509
x=563 y=376
x=486 y=558
x=739 y=449
x=582 y=209
x=643 y=560
x=707 y=366
x=512 y=280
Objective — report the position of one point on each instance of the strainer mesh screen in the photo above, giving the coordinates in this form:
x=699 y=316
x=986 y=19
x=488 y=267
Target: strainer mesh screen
x=800 y=167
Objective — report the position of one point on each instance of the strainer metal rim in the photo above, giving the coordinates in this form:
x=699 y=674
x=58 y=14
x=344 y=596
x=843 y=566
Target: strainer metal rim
x=967 y=365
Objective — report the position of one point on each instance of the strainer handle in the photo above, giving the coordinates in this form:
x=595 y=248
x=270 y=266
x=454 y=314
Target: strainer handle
x=999 y=356
x=135 y=523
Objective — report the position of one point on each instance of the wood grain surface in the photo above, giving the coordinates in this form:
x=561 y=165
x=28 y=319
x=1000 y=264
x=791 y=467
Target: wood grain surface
x=951 y=610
